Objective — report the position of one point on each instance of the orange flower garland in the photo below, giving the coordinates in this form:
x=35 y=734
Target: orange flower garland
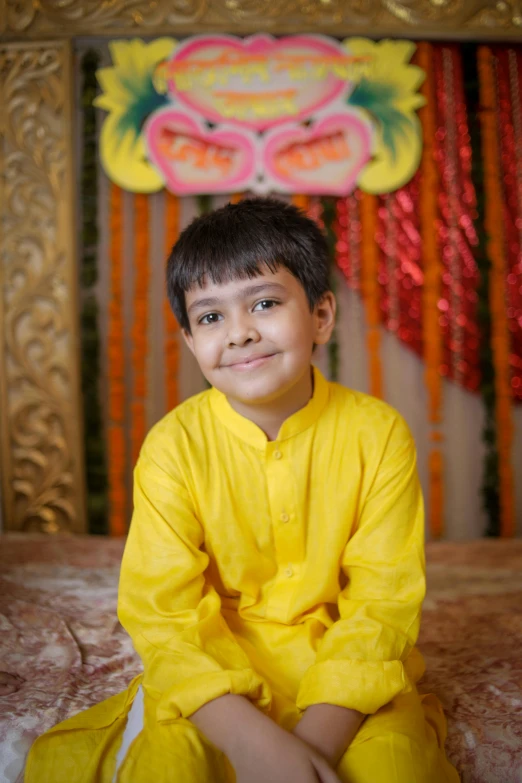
x=370 y=289
x=116 y=371
x=235 y=198
x=498 y=307
x=171 y=325
x=432 y=337
x=140 y=324
x=301 y=202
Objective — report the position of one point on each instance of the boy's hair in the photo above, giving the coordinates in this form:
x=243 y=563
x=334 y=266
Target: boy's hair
x=234 y=242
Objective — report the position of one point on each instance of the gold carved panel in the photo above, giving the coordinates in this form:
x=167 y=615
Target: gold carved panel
x=41 y=459
x=416 y=18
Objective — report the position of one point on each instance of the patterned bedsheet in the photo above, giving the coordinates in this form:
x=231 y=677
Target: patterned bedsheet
x=62 y=649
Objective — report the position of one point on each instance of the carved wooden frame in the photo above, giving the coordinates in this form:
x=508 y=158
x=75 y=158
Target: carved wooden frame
x=41 y=453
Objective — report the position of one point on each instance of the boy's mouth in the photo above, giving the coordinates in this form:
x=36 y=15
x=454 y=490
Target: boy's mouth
x=250 y=362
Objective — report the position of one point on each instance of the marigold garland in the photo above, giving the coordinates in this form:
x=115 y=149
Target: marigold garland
x=301 y=202
x=172 y=348
x=370 y=289
x=139 y=331
x=500 y=333
x=432 y=267
x=116 y=371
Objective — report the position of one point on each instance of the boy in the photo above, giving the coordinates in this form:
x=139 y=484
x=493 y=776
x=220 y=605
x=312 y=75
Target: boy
x=273 y=575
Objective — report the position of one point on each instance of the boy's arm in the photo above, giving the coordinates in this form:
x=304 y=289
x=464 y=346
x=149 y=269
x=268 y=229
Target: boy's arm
x=360 y=661
x=329 y=729
x=189 y=653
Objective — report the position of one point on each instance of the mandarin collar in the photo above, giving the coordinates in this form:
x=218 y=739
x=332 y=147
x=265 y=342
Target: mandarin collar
x=296 y=423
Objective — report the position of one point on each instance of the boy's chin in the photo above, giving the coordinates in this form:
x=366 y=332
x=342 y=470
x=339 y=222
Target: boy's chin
x=254 y=394
x=250 y=396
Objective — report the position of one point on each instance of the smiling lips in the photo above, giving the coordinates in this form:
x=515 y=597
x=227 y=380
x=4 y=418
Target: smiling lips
x=251 y=362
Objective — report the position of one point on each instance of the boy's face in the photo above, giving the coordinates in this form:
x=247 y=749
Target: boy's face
x=253 y=338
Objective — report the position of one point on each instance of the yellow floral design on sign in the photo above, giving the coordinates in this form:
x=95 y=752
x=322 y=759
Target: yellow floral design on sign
x=130 y=97
x=388 y=92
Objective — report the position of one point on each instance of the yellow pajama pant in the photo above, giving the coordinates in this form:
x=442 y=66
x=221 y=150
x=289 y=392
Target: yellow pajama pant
x=401 y=743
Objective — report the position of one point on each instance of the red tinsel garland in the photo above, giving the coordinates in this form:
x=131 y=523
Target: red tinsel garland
x=401 y=276
x=456 y=230
x=347 y=227
x=508 y=65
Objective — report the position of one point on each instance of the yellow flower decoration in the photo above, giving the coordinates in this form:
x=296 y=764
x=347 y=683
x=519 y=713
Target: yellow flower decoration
x=388 y=92
x=129 y=95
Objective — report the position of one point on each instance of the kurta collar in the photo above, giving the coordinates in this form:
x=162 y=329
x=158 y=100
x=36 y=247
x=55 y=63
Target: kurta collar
x=251 y=433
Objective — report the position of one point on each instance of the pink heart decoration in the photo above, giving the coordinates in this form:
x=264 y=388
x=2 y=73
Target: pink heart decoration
x=301 y=160
x=258 y=81
x=195 y=160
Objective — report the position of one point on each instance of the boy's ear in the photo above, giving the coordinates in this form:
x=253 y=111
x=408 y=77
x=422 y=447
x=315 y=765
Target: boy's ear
x=188 y=339
x=324 y=313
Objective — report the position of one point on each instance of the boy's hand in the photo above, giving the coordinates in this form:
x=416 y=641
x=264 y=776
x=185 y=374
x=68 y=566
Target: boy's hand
x=280 y=757
x=258 y=749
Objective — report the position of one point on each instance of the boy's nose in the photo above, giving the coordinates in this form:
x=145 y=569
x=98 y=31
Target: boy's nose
x=242 y=331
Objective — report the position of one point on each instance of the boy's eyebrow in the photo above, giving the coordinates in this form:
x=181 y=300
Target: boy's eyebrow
x=251 y=290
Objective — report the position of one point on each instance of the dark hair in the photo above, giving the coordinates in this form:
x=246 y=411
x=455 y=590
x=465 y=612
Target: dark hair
x=235 y=241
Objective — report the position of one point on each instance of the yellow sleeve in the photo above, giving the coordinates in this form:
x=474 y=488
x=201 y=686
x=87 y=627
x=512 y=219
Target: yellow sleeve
x=359 y=663
x=173 y=616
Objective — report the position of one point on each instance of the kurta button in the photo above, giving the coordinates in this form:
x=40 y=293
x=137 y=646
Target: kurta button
x=289 y=571
x=284 y=517
x=277 y=455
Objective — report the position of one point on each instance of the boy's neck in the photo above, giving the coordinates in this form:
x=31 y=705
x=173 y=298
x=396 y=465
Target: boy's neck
x=270 y=416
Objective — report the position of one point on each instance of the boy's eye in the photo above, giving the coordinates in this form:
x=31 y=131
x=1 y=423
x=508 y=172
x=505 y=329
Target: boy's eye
x=266 y=304
x=209 y=318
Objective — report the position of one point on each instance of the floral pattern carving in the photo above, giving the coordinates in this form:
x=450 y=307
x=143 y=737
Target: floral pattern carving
x=42 y=478
x=167 y=17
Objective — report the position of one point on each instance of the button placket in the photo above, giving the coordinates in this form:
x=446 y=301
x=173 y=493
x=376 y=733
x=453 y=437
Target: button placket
x=287 y=536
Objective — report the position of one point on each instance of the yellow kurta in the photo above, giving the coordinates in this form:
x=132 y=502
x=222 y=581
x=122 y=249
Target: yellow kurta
x=290 y=572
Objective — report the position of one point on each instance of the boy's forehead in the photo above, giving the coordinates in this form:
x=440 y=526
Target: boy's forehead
x=265 y=277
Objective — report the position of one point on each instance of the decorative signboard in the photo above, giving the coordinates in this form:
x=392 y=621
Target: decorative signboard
x=299 y=114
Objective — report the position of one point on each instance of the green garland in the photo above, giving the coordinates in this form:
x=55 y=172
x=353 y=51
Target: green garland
x=329 y=215
x=204 y=204
x=491 y=479
x=94 y=441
